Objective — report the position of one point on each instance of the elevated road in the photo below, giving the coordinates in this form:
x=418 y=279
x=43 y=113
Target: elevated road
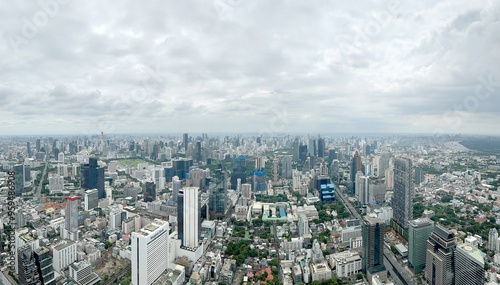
x=38 y=192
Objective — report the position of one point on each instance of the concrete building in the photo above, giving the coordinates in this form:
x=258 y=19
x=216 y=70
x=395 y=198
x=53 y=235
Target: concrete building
x=373 y=247
x=191 y=219
x=150 y=252
x=83 y=274
x=469 y=265
x=91 y=199
x=402 y=201
x=440 y=257
x=418 y=234
x=346 y=263
x=64 y=254
x=320 y=271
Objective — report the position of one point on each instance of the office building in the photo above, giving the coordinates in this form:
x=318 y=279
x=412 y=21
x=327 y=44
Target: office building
x=218 y=203
x=419 y=176
x=27 y=270
x=150 y=252
x=355 y=168
x=43 y=259
x=373 y=247
x=181 y=167
x=185 y=141
x=71 y=219
x=492 y=239
x=439 y=265
x=92 y=176
x=286 y=167
x=327 y=192
x=19 y=179
x=239 y=171
x=83 y=274
x=303 y=225
x=321 y=147
x=28 y=148
x=469 y=265
x=402 y=201
x=258 y=180
x=312 y=148
x=149 y=189
x=191 y=217
x=63 y=255
x=38 y=145
x=362 y=188
x=91 y=199
x=383 y=164
x=418 y=234
x=389 y=179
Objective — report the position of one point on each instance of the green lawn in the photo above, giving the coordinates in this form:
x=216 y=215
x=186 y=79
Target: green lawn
x=131 y=162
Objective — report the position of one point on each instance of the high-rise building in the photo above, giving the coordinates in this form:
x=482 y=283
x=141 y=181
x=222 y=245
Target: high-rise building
x=418 y=234
x=185 y=141
x=218 y=203
x=303 y=225
x=492 y=239
x=389 y=179
x=176 y=186
x=275 y=170
x=38 y=145
x=19 y=179
x=469 y=265
x=331 y=156
x=383 y=164
x=92 y=176
x=286 y=167
x=71 y=219
x=296 y=150
x=312 y=148
x=28 y=148
x=439 y=265
x=362 y=188
x=91 y=199
x=181 y=167
x=149 y=190
x=239 y=171
x=150 y=252
x=373 y=247
x=402 y=201
x=27 y=270
x=419 y=176
x=355 y=168
x=321 y=147
x=191 y=219
x=43 y=259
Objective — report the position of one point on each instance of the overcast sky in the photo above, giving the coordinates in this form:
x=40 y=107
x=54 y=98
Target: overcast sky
x=249 y=66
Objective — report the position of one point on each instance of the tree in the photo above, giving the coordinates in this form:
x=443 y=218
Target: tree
x=359 y=276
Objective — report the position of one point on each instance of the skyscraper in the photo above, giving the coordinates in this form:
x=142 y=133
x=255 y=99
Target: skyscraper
x=28 y=148
x=38 y=145
x=27 y=270
x=373 y=247
x=383 y=164
x=402 y=202
x=286 y=167
x=239 y=171
x=218 y=193
x=191 y=216
x=185 y=141
x=312 y=148
x=439 y=265
x=362 y=188
x=355 y=168
x=492 y=239
x=149 y=190
x=469 y=265
x=19 y=179
x=71 y=219
x=92 y=177
x=91 y=199
x=43 y=259
x=321 y=147
x=303 y=225
x=419 y=232
x=150 y=252
x=275 y=170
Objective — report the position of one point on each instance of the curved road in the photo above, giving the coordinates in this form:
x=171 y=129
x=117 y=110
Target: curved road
x=38 y=192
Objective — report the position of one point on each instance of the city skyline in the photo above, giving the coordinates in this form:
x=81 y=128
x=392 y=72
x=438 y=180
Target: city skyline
x=250 y=66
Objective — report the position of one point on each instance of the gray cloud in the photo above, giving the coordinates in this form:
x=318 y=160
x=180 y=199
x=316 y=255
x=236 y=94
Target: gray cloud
x=236 y=66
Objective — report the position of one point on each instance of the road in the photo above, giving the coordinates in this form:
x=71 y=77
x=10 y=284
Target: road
x=38 y=192
x=390 y=261
x=347 y=204
x=276 y=244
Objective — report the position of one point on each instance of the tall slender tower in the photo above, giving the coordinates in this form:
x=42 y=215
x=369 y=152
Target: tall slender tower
x=191 y=217
x=419 y=232
x=402 y=202
x=71 y=219
x=373 y=247
x=469 y=265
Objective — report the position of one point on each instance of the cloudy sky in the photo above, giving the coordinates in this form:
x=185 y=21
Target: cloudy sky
x=249 y=66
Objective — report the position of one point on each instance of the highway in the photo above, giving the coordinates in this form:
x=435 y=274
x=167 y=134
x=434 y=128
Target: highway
x=389 y=261
x=38 y=192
